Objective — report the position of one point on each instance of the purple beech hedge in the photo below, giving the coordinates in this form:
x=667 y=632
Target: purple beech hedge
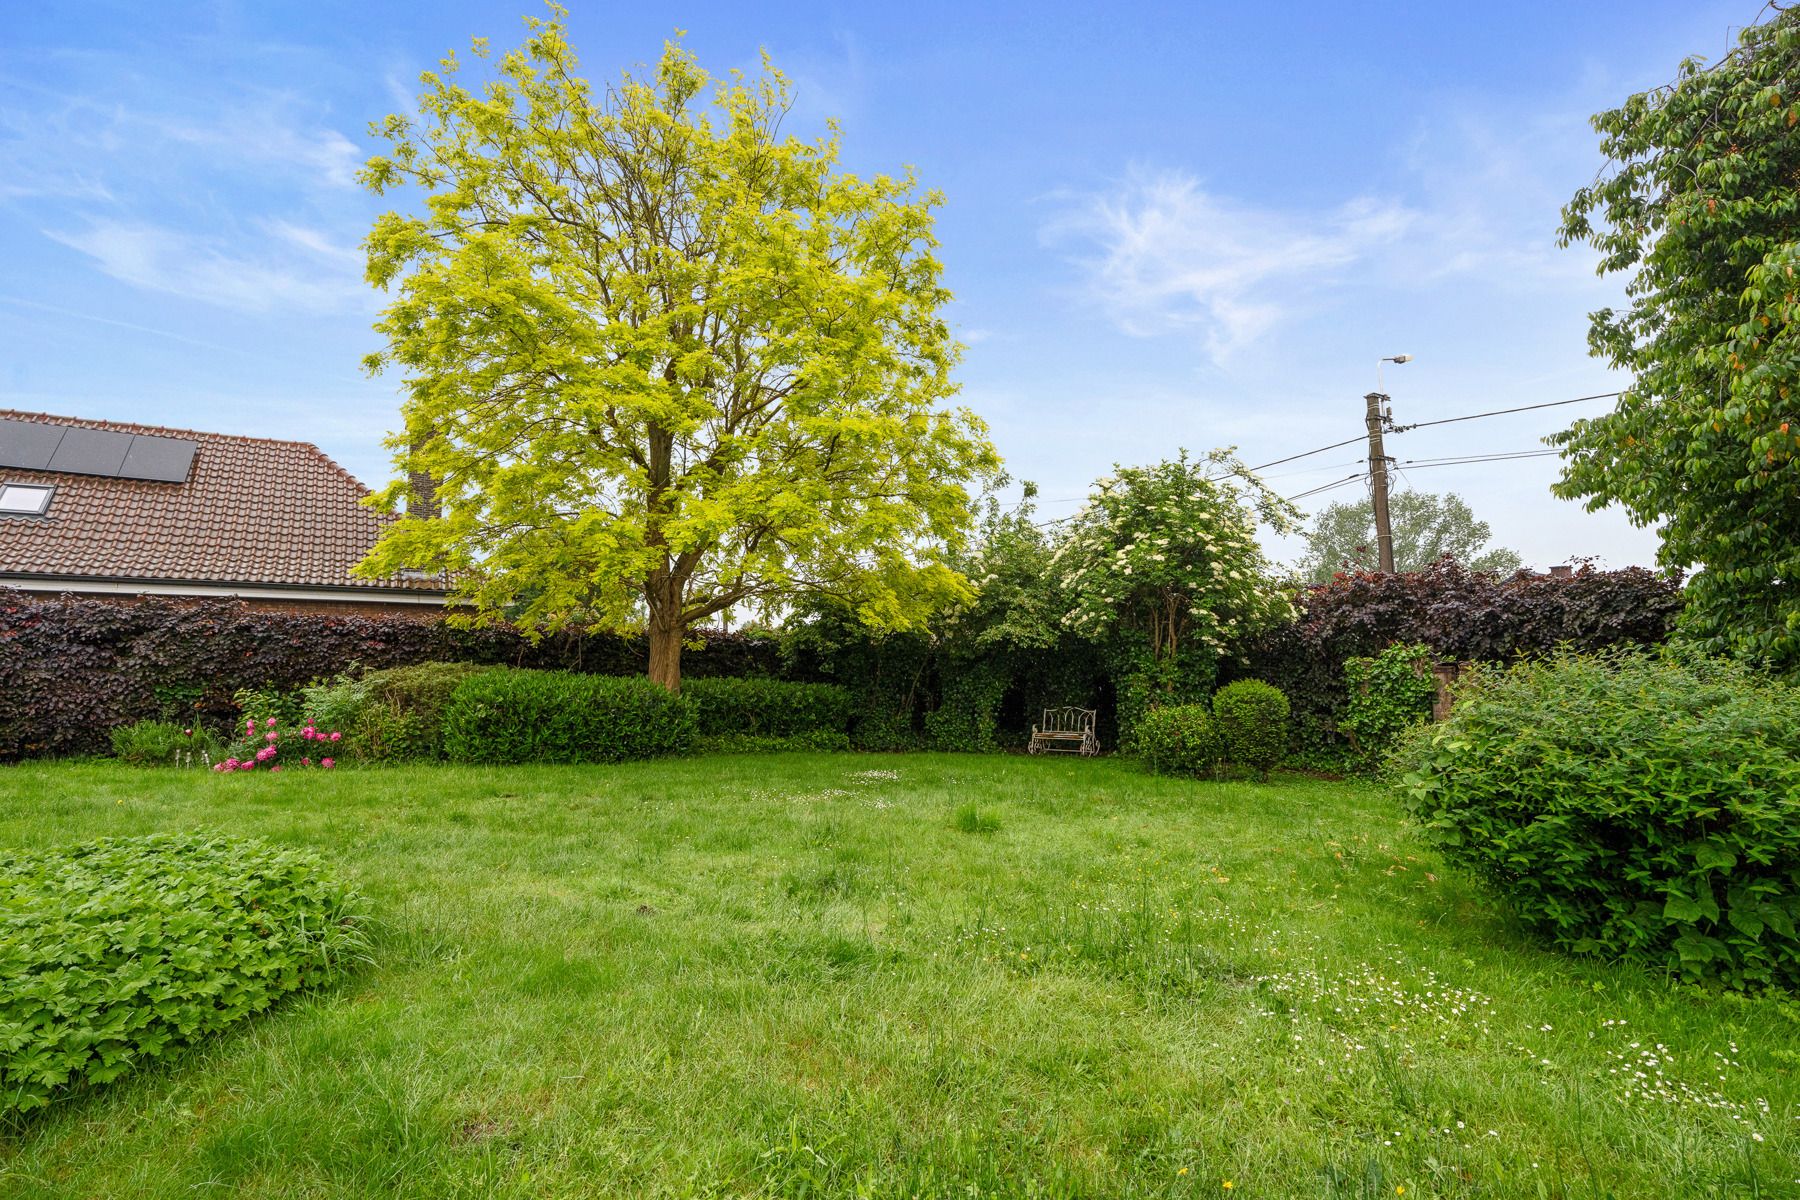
x=1462 y=615
x=72 y=668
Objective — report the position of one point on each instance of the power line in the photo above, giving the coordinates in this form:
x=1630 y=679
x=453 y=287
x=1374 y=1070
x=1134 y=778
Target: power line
x=1500 y=412
x=1307 y=454
x=1476 y=458
x=1327 y=487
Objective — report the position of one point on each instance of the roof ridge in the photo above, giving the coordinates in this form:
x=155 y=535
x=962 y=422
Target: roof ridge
x=160 y=430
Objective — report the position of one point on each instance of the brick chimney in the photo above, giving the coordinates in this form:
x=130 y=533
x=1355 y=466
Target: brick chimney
x=422 y=498
x=1563 y=571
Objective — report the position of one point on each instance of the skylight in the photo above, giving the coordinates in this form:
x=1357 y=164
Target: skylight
x=24 y=499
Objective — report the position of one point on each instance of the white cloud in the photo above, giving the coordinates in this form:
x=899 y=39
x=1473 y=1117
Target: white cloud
x=1161 y=254
x=167 y=260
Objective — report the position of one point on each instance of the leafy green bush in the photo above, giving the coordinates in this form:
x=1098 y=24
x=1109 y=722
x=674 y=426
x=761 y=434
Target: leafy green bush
x=1252 y=717
x=164 y=744
x=1182 y=739
x=116 y=952
x=1628 y=806
x=259 y=704
x=1388 y=694
x=394 y=715
x=514 y=716
x=725 y=707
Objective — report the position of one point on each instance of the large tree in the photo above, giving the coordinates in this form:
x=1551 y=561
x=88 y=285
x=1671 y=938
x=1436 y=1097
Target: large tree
x=1698 y=208
x=661 y=359
x=1427 y=527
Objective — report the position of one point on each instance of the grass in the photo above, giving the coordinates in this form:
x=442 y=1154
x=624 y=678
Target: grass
x=815 y=975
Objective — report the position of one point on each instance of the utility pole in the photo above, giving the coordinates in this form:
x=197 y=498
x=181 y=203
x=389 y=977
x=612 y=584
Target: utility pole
x=1378 y=466
x=1378 y=479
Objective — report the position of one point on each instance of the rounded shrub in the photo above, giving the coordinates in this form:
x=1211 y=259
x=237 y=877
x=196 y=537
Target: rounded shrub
x=1627 y=805
x=1181 y=739
x=515 y=716
x=1252 y=717
x=117 y=952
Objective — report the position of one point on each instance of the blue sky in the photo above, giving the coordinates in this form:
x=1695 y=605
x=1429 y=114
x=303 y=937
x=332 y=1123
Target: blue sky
x=1166 y=225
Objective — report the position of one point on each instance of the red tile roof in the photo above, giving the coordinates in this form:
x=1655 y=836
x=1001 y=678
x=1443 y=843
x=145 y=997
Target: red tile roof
x=252 y=511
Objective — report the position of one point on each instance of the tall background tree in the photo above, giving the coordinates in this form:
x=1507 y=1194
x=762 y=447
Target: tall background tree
x=1427 y=527
x=660 y=359
x=1698 y=209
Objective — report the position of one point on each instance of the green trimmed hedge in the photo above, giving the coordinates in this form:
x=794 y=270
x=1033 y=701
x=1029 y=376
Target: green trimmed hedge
x=119 y=951
x=512 y=716
x=1627 y=806
x=828 y=740
x=729 y=708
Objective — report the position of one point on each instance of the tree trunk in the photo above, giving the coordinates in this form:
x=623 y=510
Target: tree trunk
x=665 y=647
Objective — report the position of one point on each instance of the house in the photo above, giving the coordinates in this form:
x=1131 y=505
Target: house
x=109 y=508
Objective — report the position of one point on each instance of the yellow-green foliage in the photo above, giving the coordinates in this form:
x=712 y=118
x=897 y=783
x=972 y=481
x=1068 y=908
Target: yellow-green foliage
x=660 y=358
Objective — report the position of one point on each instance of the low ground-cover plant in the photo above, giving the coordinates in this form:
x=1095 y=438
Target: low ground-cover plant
x=394 y=715
x=164 y=744
x=513 y=716
x=1628 y=805
x=1252 y=720
x=1388 y=694
x=1179 y=739
x=117 y=952
x=726 y=707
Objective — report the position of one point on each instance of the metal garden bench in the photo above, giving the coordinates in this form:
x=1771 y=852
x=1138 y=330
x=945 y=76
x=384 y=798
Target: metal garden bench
x=1065 y=731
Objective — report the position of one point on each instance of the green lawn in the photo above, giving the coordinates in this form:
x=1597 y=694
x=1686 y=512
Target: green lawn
x=829 y=975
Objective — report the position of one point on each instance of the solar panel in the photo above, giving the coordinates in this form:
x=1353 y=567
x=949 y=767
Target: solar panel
x=28 y=445
x=90 y=452
x=163 y=459
x=36 y=446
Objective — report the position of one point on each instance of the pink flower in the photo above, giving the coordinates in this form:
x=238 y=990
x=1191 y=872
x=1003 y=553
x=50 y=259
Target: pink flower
x=270 y=722
x=250 y=725
x=187 y=733
x=335 y=735
x=276 y=767
x=230 y=764
x=270 y=736
x=327 y=763
x=306 y=762
x=246 y=766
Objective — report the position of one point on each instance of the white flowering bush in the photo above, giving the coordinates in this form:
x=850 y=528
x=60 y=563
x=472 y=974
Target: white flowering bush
x=1163 y=563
